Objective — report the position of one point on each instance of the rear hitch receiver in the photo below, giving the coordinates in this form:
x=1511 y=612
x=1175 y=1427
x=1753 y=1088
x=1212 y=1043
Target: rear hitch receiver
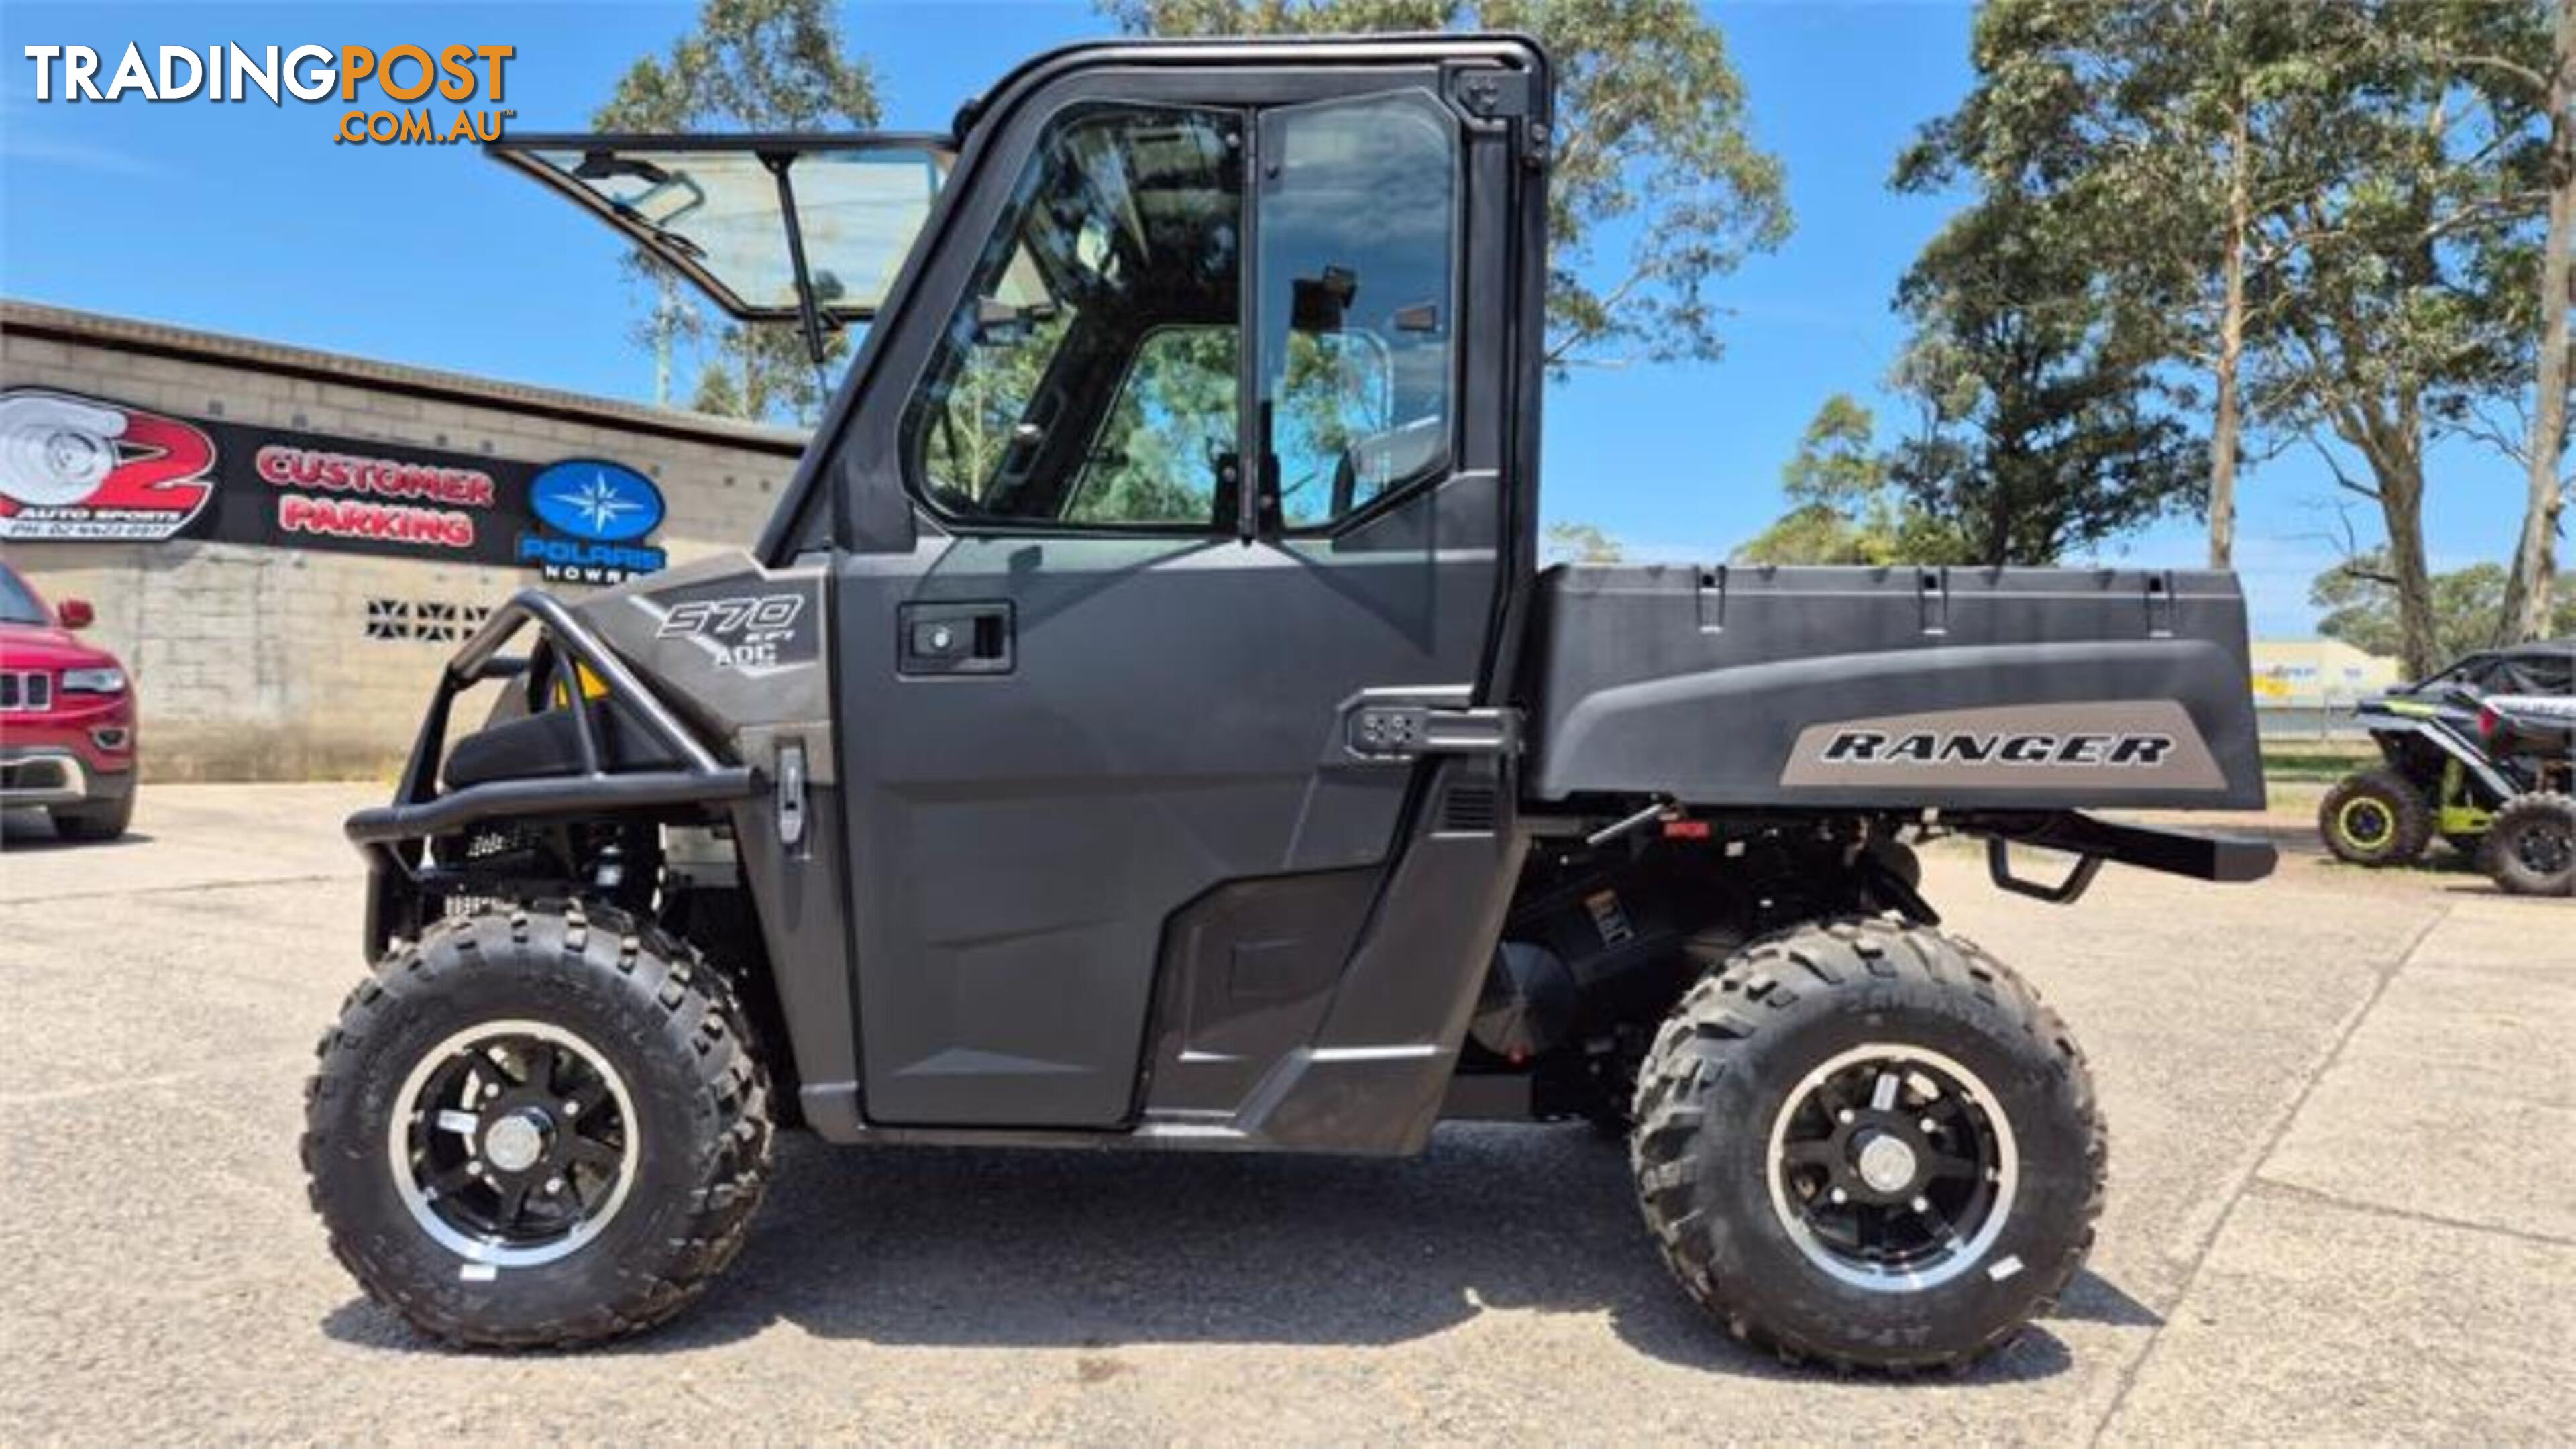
x=2065 y=892
x=2200 y=857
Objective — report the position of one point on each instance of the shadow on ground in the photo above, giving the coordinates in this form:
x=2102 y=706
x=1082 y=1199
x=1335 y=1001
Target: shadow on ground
x=34 y=830
x=1092 y=1250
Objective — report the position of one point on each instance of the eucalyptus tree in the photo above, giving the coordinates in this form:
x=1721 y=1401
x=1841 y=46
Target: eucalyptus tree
x=1652 y=144
x=748 y=65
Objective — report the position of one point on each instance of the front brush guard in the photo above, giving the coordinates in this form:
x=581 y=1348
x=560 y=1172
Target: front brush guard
x=390 y=836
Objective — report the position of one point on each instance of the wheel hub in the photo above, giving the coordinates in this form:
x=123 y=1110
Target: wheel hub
x=1886 y=1163
x=1893 y=1168
x=518 y=1141
x=2367 y=823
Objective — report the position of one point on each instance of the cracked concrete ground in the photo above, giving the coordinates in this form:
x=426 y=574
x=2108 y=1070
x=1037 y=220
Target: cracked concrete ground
x=2340 y=1211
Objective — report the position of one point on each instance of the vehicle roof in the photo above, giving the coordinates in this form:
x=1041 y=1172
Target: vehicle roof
x=2536 y=647
x=1222 y=47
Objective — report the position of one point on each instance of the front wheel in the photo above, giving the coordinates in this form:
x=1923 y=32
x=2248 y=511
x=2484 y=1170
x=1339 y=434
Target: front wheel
x=99 y=820
x=2376 y=817
x=1869 y=1144
x=538 y=1127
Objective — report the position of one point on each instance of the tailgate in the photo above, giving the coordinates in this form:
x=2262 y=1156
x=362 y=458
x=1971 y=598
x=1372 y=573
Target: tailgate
x=2015 y=688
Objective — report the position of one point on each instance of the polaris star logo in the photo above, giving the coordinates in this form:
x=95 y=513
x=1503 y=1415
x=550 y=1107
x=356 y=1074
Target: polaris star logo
x=1965 y=747
x=592 y=516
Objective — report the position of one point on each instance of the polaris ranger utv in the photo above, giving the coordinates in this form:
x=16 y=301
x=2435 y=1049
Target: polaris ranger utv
x=1144 y=725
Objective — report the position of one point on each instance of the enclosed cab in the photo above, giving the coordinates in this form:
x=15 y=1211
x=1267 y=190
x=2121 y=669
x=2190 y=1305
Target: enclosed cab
x=1144 y=724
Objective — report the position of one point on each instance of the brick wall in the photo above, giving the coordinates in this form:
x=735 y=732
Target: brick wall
x=257 y=663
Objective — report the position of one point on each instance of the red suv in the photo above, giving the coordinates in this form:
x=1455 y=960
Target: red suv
x=66 y=718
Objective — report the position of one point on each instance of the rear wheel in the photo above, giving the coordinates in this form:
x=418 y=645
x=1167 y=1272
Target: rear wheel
x=1869 y=1144
x=2530 y=849
x=2376 y=817
x=539 y=1126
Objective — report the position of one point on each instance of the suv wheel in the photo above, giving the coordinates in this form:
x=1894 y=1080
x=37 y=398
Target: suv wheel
x=2376 y=817
x=2530 y=847
x=539 y=1126
x=1869 y=1144
x=104 y=821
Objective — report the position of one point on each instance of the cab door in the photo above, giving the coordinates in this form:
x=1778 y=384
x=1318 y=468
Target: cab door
x=1181 y=418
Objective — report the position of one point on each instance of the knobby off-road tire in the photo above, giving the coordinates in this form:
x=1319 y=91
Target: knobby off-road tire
x=647 y=1048
x=1743 y=1081
x=2530 y=849
x=2376 y=817
x=1614 y=1113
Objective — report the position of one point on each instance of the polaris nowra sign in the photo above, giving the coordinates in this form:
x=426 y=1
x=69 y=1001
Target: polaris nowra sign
x=592 y=517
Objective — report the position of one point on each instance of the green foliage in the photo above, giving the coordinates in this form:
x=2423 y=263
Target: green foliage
x=749 y=65
x=1580 y=543
x=1651 y=146
x=2366 y=172
x=1845 y=506
x=2360 y=603
x=1157 y=459
x=2045 y=427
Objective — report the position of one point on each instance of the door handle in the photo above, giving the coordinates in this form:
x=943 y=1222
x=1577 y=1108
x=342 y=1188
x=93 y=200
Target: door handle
x=970 y=638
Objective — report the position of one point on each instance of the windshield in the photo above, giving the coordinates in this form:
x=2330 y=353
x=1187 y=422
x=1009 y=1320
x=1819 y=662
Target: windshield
x=712 y=210
x=18 y=602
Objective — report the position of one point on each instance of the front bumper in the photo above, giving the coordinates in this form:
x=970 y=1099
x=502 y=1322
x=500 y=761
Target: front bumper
x=82 y=748
x=45 y=775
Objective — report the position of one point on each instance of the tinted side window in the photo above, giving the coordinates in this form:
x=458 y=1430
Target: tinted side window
x=1358 y=278
x=1050 y=398
x=1170 y=430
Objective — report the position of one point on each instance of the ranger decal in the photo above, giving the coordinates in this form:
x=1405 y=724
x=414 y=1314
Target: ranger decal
x=1923 y=747
x=2129 y=744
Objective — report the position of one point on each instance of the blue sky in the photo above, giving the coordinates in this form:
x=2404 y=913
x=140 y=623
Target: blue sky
x=249 y=219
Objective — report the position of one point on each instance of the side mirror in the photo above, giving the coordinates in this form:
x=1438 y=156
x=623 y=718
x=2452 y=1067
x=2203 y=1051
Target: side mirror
x=1317 y=304
x=1002 y=324
x=76 y=614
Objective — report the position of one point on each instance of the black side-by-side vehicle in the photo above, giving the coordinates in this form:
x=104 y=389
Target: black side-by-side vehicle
x=2445 y=768
x=1144 y=724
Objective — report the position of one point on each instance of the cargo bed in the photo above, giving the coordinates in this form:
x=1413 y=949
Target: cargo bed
x=2012 y=688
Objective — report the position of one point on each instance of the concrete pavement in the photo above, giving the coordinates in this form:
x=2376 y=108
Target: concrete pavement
x=2338 y=1211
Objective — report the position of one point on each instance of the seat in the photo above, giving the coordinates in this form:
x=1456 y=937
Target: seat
x=541 y=745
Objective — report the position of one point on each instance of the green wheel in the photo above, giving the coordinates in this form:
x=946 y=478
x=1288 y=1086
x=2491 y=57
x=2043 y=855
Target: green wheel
x=2376 y=817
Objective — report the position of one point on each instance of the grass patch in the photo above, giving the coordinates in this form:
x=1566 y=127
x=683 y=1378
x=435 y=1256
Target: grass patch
x=2316 y=759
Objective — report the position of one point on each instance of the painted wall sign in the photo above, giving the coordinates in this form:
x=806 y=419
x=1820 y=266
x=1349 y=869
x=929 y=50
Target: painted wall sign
x=76 y=468
x=82 y=468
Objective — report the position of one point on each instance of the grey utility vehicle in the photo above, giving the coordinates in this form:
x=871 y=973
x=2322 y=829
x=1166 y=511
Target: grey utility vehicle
x=1144 y=724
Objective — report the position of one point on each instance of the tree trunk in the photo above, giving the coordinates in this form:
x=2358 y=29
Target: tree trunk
x=2528 y=602
x=2399 y=472
x=666 y=309
x=2231 y=344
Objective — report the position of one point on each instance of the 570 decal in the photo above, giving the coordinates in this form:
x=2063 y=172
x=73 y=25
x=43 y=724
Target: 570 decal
x=742 y=631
